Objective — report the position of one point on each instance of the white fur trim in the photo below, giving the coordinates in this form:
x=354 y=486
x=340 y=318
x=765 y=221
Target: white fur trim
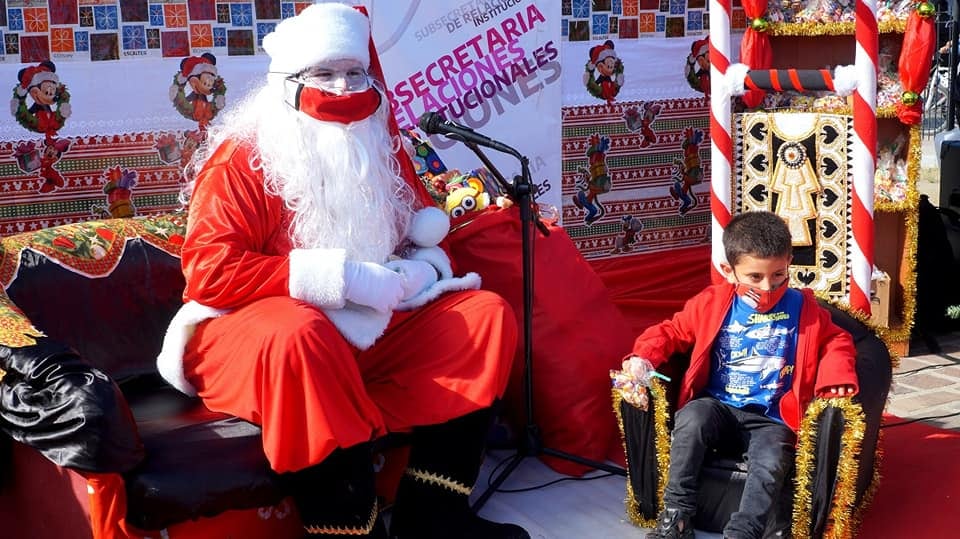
x=604 y=54
x=429 y=226
x=43 y=76
x=844 y=79
x=201 y=68
x=21 y=91
x=361 y=326
x=735 y=76
x=470 y=281
x=436 y=257
x=316 y=276
x=179 y=332
x=321 y=32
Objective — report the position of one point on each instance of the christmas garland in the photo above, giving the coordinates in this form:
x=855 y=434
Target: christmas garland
x=185 y=107
x=29 y=120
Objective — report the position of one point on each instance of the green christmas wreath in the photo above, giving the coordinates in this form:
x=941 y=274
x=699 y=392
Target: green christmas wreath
x=185 y=108
x=29 y=120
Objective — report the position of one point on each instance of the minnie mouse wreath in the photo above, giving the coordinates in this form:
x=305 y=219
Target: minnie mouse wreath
x=51 y=100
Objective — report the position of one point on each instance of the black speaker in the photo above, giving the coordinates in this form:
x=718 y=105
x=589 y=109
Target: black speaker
x=950 y=174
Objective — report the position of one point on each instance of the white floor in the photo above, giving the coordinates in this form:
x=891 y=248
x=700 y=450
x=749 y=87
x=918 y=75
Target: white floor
x=566 y=510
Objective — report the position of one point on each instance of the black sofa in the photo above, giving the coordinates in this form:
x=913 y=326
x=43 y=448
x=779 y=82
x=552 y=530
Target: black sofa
x=82 y=319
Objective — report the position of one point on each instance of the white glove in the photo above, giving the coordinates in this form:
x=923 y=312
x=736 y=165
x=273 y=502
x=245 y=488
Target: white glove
x=417 y=275
x=372 y=285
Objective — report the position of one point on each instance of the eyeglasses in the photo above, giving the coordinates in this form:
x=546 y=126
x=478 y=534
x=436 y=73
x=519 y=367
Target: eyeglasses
x=333 y=80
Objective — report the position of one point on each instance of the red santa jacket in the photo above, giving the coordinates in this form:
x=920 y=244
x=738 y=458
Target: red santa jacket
x=825 y=354
x=237 y=248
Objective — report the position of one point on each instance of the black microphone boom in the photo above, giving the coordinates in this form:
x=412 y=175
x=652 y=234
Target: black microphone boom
x=433 y=123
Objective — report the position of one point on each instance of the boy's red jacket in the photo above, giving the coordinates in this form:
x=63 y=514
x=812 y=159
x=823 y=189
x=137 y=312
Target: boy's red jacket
x=825 y=353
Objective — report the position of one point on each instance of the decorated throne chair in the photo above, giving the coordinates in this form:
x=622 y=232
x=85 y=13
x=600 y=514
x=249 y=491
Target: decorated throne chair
x=94 y=443
x=836 y=462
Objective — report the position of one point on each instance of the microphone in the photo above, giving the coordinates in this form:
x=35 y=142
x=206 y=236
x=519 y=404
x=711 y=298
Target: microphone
x=432 y=123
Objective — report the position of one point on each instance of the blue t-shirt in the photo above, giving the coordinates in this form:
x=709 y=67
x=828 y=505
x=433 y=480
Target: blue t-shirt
x=751 y=364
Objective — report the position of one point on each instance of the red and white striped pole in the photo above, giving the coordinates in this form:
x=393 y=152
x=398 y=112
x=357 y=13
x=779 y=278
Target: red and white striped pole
x=721 y=139
x=864 y=154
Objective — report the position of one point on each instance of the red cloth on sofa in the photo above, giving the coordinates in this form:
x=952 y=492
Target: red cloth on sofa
x=578 y=333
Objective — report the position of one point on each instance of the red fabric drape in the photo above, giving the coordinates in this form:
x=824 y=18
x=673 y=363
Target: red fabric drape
x=916 y=55
x=755 y=50
x=649 y=288
x=578 y=334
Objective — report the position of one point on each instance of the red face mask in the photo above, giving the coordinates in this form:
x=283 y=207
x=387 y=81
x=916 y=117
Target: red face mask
x=327 y=107
x=758 y=299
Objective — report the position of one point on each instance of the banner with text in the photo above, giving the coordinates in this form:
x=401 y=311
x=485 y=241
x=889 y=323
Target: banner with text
x=492 y=66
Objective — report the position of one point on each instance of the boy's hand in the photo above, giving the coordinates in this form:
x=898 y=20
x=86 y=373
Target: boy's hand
x=838 y=391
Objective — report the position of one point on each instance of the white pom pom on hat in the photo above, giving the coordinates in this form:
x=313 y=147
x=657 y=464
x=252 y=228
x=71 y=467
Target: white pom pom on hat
x=321 y=32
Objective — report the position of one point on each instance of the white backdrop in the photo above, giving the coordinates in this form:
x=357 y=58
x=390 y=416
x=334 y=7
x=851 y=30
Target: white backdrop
x=496 y=71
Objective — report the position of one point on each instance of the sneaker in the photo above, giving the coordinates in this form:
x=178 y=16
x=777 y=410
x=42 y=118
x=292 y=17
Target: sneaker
x=672 y=524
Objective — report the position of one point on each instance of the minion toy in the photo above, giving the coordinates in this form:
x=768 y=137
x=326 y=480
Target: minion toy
x=465 y=195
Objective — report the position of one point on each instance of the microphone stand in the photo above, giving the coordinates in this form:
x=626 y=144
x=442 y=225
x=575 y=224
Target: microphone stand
x=531 y=445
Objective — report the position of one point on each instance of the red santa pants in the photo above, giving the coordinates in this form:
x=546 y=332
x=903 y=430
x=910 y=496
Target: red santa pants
x=280 y=363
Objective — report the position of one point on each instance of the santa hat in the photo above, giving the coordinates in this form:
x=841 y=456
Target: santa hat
x=600 y=53
x=35 y=75
x=193 y=66
x=700 y=46
x=320 y=33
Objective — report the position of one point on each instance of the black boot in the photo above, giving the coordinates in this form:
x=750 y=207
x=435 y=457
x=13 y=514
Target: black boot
x=433 y=495
x=337 y=497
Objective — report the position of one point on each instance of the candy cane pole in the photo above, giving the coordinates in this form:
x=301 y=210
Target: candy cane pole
x=721 y=140
x=864 y=154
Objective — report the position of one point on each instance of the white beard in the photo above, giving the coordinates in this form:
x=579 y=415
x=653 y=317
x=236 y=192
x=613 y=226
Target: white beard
x=342 y=182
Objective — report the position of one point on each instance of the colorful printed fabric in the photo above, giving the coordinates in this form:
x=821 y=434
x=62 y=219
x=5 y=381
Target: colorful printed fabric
x=92 y=249
x=634 y=176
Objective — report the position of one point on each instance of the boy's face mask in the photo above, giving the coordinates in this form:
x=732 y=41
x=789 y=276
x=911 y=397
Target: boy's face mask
x=759 y=299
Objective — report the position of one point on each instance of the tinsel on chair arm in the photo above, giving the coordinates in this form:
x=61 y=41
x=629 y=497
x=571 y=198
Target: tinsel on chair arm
x=660 y=411
x=840 y=519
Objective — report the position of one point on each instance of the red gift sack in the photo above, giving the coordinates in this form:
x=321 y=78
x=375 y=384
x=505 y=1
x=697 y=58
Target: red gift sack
x=578 y=333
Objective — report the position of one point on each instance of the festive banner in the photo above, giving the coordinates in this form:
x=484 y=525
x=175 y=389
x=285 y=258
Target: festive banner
x=490 y=66
x=636 y=159
x=109 y=98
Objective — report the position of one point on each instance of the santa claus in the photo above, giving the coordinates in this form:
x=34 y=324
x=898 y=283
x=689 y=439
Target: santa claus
x=320 y=303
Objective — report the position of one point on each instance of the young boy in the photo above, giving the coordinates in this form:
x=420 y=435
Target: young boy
x=760 y=352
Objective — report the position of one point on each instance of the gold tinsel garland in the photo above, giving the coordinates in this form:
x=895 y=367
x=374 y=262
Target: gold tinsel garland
x=908 y=281
x=841 y=522
x=912 y=199
x=814 y=28
x=908 y=276
x=658 y=400
x=888 y=111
